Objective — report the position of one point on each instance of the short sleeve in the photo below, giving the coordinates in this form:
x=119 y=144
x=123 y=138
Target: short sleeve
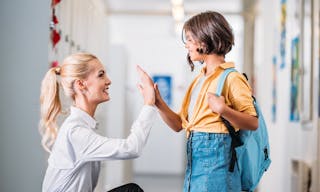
x=239 y=94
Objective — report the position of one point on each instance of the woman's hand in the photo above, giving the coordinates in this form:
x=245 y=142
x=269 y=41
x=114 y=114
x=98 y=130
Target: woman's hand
x=216 y=104
x=146 y=87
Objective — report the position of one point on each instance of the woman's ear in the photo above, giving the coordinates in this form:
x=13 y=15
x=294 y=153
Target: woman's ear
x=79 y=85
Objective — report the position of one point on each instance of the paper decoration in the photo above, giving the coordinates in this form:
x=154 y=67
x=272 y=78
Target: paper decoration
x=55 y=2
x=54 y=64
x=54 y=32
x=55 y=37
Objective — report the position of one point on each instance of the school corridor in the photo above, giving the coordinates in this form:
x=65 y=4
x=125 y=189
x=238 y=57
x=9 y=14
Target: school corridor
x=277 y=44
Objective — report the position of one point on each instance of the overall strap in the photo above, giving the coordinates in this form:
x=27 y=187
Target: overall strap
x=235 y=137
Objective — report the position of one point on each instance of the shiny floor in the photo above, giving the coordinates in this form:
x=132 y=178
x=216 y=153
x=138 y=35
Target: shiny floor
x=160 y=183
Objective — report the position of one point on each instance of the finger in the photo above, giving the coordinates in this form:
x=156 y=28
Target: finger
x=210 y=94
x=156 y=88
x=144 y=77
x=140 y=87
x=140 y=70
x=138 y=67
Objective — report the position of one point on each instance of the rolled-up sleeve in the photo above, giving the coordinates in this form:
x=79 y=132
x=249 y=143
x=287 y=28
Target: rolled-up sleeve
x=241 y=94
x=90 y=146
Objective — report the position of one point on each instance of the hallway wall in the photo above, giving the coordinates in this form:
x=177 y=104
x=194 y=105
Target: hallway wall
x=24 y=60
x=289 y=140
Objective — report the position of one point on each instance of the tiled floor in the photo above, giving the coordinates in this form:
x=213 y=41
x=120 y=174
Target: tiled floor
x=160 y=183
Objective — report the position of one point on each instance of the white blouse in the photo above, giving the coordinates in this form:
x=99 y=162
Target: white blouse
x=74 y=162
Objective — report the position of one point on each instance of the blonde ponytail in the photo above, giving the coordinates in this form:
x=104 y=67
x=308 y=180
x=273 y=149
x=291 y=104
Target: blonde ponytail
x=50 y=108
x=76 y=66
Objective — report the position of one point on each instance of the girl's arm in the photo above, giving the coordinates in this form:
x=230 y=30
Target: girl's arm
x=172 y=119
x=236 y=118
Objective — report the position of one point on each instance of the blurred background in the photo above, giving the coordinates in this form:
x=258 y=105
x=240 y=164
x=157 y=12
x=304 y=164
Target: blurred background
x=276 y=45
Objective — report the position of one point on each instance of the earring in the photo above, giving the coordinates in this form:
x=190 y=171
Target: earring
x=200 y=50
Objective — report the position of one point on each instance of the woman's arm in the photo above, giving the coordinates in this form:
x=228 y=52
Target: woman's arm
x=90 y=146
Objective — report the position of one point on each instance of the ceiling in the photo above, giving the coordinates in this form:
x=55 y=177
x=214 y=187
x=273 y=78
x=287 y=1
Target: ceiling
x=164 y=7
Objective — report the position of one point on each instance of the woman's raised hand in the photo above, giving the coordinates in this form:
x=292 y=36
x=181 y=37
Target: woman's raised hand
x=146 y=87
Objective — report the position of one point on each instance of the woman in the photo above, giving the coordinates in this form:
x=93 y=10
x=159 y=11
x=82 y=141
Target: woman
x=208 y=38
x=77 y=150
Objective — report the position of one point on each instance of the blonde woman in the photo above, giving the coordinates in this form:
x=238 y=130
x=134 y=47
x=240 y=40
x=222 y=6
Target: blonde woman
x=76 y=150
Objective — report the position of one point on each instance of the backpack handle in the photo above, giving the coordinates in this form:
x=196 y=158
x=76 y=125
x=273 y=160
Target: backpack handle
x=222 y=79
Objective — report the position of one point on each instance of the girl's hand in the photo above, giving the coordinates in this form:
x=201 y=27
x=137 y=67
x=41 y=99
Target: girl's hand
x=146 y=87
x=216 y=104
x=158 y=95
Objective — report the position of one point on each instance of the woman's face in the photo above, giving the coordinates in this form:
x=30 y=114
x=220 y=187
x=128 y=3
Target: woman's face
x=192 y=45
x=97 y=83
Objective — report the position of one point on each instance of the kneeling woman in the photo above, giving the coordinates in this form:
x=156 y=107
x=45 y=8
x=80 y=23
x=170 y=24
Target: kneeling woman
x=77 y=150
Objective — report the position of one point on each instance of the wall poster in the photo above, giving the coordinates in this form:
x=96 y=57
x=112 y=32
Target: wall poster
x=295 y=81
x=283 y=32
x=165 y=87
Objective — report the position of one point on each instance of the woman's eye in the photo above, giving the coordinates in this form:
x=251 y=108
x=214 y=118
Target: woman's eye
x=101 y=74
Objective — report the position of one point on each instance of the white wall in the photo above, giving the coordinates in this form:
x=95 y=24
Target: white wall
x=83 y=23
x=117 y=172
x=151 y=43
x=24 y=60
x=288 y=140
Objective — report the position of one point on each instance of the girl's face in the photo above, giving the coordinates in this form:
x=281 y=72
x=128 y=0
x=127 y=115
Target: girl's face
x=97 y=83
x=192 y=45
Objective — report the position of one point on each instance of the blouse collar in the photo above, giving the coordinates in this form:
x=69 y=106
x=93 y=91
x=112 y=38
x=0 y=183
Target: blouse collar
x=91 y=122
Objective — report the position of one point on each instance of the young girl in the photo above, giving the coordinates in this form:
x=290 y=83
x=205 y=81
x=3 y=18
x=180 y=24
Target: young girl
x=208 y=38
x=77 y=150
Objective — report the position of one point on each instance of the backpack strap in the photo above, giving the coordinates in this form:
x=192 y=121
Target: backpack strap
x=235 y=136
x=222 y=79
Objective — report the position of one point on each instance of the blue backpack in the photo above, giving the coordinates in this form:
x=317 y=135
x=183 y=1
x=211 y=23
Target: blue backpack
x=249 y=149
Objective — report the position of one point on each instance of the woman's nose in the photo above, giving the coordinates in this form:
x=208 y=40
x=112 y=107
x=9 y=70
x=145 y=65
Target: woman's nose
x=108 y=81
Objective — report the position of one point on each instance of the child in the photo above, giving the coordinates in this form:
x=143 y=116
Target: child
x=208 y=38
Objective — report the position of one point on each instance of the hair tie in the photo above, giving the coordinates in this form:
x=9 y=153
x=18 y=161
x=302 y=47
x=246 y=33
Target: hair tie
x=57 y=70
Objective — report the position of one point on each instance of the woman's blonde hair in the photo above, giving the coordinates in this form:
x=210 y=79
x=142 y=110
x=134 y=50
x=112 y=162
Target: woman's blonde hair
x=75 y=66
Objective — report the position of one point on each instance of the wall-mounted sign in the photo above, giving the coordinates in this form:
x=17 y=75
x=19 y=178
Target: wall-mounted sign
x=165 y=87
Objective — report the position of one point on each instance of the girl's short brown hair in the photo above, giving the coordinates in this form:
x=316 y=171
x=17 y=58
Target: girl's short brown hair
x=212 y=31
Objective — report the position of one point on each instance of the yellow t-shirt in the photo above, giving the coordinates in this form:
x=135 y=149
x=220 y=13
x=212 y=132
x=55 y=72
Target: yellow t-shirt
x=237 y=93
